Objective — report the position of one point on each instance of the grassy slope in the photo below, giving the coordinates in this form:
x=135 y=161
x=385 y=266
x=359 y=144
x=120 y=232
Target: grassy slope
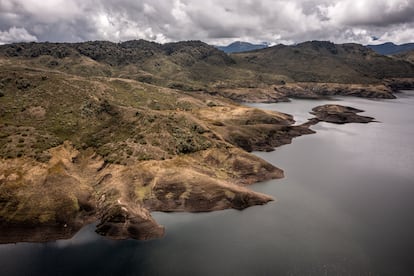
x=194 y=65
x=407 y=56
x=132 y=143
x=79 y=147
x=325 y=62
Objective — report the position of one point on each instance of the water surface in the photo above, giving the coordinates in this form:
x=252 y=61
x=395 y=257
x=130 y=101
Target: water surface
x=344 y=208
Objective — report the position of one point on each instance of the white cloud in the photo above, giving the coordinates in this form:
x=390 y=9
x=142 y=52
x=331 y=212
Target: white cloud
x=399 y=36
x=16 y=35
x=371 y=12
x=213 y=21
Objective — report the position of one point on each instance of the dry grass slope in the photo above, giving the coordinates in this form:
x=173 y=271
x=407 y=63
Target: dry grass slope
x=111 y=131
x=77 y=148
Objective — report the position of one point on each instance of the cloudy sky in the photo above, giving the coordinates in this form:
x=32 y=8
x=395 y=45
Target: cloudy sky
x=213 y=21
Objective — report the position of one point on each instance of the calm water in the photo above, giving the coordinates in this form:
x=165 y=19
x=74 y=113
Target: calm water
x=345 y=208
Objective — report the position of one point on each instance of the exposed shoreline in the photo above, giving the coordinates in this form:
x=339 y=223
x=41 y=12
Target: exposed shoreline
x=189 y=183
x=317 y=91
x=108 y=132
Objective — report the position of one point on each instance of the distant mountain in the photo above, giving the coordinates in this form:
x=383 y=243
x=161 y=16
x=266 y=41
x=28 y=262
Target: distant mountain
x=239 y=46
x=390 y=48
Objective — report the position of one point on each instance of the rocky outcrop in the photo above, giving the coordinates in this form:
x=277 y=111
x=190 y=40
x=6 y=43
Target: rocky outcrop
x=253 y=129
x=397 y=84
x=339 y=114
x=254 y=95
x=55 y=199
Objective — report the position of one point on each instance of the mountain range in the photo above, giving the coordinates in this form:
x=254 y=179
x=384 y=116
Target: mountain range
x=239 y=46
x=390 y=48
x=194 y=65
x=387 y=48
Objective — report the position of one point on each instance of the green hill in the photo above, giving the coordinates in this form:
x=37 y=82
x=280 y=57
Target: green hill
x=187 y=65
x=194 y=65
x=319 y=61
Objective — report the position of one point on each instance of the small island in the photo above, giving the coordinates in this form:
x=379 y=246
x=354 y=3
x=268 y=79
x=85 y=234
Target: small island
x=339 y=114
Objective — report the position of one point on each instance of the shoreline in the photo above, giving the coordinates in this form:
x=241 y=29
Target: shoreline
x=317 y=91
x=124 y=217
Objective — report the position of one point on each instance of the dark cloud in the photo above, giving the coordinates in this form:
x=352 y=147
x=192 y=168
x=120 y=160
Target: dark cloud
x=213 y=21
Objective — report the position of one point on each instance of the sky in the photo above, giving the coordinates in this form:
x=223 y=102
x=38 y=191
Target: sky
x=217 y=22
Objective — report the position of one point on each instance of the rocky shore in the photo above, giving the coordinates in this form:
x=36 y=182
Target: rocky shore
x=339 y=114
x=75 y=187
x=91 y=157
x=316 y=90
x=107 y=133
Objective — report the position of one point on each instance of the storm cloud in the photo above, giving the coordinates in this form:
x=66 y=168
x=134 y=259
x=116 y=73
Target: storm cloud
x=212 y=21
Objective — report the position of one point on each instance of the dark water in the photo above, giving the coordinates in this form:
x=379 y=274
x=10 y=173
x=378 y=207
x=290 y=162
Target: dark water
x=345 y=208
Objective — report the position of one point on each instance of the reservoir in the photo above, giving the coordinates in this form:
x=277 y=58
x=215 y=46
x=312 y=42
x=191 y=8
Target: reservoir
x=345 y=207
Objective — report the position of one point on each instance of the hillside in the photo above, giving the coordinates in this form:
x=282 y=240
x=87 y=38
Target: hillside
x=76 y=149
x=407 y=56
x=107 y=132
x=390 y=48
x=196 y=66
x=318 y=61
x=188 y=65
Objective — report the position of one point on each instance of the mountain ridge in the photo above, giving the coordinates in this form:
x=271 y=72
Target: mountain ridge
x=195 y=65
x=389 y=48
x=241 y=46
x=323 y=61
